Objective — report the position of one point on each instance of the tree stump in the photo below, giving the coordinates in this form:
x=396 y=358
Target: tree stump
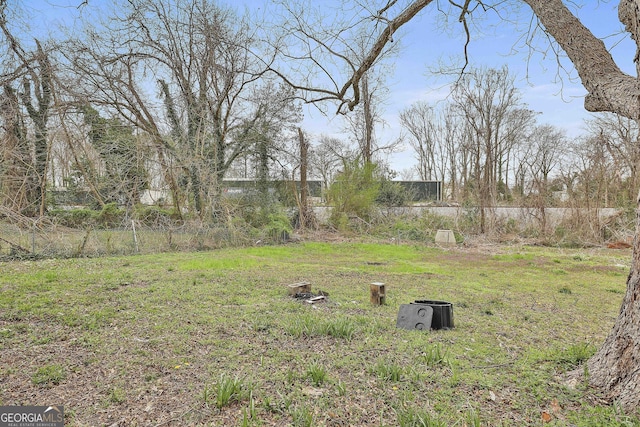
x=378 y=295
x=299 y=288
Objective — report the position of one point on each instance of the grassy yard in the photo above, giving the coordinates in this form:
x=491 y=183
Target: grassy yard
x=212 y=338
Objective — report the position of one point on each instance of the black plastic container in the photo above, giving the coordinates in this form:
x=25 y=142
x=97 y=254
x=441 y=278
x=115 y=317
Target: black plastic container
x=442 y=313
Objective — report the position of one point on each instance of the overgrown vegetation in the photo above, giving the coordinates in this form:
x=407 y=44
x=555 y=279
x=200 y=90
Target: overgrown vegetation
x=148 y=229
x=353 y=194
x=212 y=338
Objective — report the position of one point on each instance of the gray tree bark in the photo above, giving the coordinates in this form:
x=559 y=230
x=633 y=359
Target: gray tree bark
x=615 y=368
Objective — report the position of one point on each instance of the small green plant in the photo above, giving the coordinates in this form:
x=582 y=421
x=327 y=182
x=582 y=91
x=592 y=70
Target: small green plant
x=226 y=391
x=6 y=333
x=250 y=415
x=117 y=395
x=340 y=328
x=388 y=371
x=473 y=419
x=302 y=416
x=435 y=356
x=309 y=326
x=410 y=417
x=49 y=374
x=281 y=408
x=574 y=355
x=317 y=374
x=150 y=377
x=303 y=326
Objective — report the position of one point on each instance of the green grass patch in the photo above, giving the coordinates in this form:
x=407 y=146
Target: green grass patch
x=49 y=375
x=317 y=374
x=388 y=371
x=226 y=391
x=173 y=338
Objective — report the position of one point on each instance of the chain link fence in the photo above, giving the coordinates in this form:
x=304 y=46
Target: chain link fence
x=47 y=240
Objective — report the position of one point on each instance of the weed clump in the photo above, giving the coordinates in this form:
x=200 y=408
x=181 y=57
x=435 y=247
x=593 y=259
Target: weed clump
x=49 y=374
x=226 y=391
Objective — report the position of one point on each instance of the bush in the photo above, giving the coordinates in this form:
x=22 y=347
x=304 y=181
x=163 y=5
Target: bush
x=392 y=194
x=110 y=215
x=353 y=193
x=75 y=218
x=278 y=228
x=154 y=216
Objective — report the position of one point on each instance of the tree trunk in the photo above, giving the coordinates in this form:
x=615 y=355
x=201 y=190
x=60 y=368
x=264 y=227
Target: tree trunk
x=305 y=212
x=615 y=368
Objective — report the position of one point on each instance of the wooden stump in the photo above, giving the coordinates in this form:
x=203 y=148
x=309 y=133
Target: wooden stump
x=299 y=288
x=378 y=296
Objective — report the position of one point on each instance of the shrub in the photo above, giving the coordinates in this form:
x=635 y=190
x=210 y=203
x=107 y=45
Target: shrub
x=278 y=227
x=75 y=218
x=110 y=215
x=154 y=216
x=353 y=193
x=391 y=194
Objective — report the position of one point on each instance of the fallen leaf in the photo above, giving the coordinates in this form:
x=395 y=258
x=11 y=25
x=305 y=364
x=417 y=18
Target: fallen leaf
x=492 y=396
x=546 y=417
x=555 y=406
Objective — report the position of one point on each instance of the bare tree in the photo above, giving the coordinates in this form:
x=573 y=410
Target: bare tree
x=616 y=366
x=593 y=170
x=198 y=54
x=435 y=135
x=14 y=162
x=328 y=156
x=490 y=107
x=620 y=136
x=542 y=153
x=421 y=122
x=268 y=130
x=362 y=122
x=33 y=74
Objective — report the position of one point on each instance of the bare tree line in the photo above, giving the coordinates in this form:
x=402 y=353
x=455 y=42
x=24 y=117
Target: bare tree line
x=168 y=95
x=177 y=96
x=489 y=149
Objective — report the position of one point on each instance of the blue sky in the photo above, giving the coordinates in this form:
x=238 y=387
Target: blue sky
x=423 y=44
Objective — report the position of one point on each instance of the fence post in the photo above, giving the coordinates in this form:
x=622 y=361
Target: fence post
x=33 y=238
x=135 y=236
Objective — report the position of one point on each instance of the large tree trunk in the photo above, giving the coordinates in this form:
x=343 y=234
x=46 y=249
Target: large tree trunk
x=615 y=368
